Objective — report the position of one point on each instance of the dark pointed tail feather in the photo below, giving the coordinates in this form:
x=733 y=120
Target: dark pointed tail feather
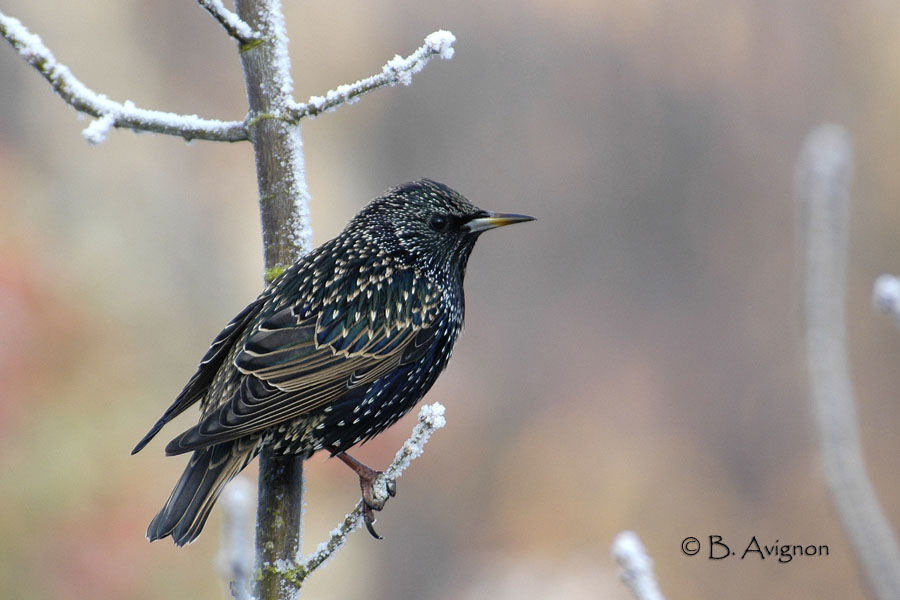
x=190 y=503
x=146 y=439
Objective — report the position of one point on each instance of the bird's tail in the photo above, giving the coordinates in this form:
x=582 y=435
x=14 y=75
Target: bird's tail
x=190 y=503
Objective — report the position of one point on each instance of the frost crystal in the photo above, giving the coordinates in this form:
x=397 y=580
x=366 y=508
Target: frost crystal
x=433 y=415
x=229 y=20
x=96 y=132
x=301 y=231
x=441 y=42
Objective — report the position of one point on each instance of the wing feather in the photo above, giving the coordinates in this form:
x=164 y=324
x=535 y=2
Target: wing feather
x=293 y=365
x=197 y=386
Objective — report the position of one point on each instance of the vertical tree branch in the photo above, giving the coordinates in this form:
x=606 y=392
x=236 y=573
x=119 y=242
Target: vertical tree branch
x=286 y=235
x=278 y=521
x=283 y=196
x=272 y=125
x=823 y=196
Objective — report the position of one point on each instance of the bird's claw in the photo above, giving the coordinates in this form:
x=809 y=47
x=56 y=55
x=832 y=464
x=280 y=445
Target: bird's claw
x=369 y=519
x=372 y=501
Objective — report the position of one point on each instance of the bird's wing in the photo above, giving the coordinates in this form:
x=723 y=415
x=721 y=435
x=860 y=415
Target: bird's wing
x=294 y=363
x=206 y=371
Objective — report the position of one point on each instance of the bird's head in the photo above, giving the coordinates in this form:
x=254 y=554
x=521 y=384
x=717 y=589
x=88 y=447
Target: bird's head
x=430 y=225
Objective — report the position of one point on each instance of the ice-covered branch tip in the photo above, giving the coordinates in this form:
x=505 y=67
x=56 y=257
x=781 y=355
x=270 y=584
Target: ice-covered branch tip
x=431 y=418
x=232 y=23
x=109 y=112
x=637 y=566
x=886 y=296
x=397 y=70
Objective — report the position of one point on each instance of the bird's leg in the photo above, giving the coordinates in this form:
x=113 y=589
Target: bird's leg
x=367 y=477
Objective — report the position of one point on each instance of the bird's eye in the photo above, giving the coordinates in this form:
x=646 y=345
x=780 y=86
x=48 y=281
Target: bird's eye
x=440 y=223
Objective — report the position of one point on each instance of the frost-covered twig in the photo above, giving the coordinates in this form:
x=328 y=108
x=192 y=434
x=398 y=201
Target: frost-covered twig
x=823 y=177
x=431 y=418
x=886 y=296
x=233 y=24
x=111 y=113
x=637 y=566
x=397 y=70
x=235 y=560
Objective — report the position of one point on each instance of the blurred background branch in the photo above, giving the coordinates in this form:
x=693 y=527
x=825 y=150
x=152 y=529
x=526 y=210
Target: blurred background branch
x=235 y=558
x=823 y=177
x=886 y=296
x=636 y=565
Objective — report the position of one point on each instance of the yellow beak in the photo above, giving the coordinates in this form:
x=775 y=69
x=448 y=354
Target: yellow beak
x=492 y=220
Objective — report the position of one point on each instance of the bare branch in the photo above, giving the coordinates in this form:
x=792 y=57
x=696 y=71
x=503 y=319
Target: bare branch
x=232 y=23
x=111 y=113
x=431 y=418
x=287 y=235
x=637 y=566
x=823 y=177
x=397 y=70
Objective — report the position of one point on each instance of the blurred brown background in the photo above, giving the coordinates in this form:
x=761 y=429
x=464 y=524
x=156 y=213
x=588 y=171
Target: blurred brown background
x=631 y=360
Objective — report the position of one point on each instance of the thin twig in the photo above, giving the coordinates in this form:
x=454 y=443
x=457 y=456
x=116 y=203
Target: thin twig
x=232 y=23
x=397 y=70
x=637 y=566
x=111 y=113
x=823 y=177
x=431 y=418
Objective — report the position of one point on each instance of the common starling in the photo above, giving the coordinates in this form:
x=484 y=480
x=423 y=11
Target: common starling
x=345 y=342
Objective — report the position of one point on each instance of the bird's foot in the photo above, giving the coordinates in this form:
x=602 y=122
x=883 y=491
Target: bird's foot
x=375 y=488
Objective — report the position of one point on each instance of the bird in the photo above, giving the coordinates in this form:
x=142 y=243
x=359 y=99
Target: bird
x=334 y=351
